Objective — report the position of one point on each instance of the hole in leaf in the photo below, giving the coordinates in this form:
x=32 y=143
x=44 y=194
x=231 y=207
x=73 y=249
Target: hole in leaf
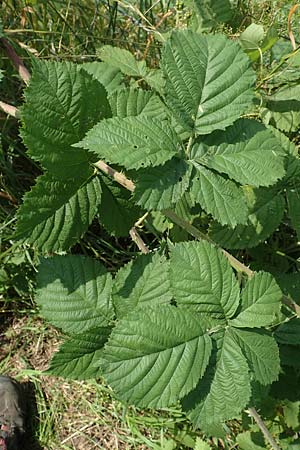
x=135 y=146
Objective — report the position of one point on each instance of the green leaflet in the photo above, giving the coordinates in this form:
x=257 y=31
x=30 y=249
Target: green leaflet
x=251 y=40
x=292 y=162
x=117 y=212
x=209 y=81
x=209 y=13
x=289 y=332
x=283 y=109
x=225 y=390
x=266 y=210
x=74 y=293
x=132 y=102
x=201 y=445
x=261 y=352
x=291 y=413
x=123 y=60
x=155 y=79
x=156 y=355
x=110 y=77
x=184 y=207
x=261 y=302
x=289 y=355
x=246 y=442
x=293 y=199
x=143 y=282
x=55 y=214
x=133 y=142
x=77 y=356
x=247 y=152
x=221 y=198
x=202 y=279
x=290 y=285
x=161 y=187
x=287 y=387
x=62 y=102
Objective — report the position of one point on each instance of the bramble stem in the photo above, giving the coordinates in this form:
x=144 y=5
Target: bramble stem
x=117 y=176
x=189 y=145
x=253 y=413
x=135 y=236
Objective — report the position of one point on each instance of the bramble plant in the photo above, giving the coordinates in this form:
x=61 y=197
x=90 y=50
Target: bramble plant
x=178 y=324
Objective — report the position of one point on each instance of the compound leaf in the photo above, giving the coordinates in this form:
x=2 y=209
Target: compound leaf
x=62 y=102
x=209 y=81
x=220 y=197
x=162 y=186
x=78 y=355
x=247 y=152
x=261 y=301
x=266 y=209
x=156 y=355
x=74 y=293
x=133 y=142
x=261 y=352
x=202 y=279
x=55 y=214
x=141 y=283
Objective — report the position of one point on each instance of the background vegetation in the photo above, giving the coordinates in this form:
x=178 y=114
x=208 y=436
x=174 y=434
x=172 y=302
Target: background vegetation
x=77 y=415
